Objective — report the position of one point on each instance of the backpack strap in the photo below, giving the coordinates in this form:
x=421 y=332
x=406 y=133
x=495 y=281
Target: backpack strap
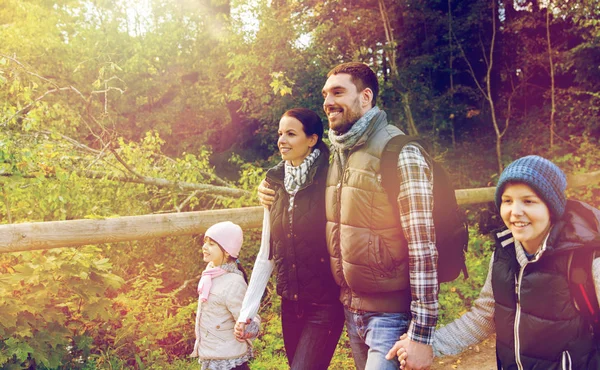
x=389 y=166
x=581 y=283
x=451 y=231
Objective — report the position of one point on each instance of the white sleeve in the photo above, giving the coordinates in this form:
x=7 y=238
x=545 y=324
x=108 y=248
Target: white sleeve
x=596 y=273
x=263 y=267
x=472 y=327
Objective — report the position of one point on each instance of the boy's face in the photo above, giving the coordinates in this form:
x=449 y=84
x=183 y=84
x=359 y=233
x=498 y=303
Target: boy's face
x=211 y=252
x=526 y=215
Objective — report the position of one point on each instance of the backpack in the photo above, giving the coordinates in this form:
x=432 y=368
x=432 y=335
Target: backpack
x=451 y=231
x=581 y=284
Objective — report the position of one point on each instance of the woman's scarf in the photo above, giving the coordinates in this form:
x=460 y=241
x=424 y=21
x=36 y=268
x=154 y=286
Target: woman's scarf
x=295 y=177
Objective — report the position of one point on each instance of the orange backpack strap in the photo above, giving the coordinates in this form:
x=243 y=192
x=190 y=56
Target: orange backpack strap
x=581 y=282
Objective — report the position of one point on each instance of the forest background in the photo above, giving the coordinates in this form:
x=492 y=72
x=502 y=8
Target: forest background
x=111 y=108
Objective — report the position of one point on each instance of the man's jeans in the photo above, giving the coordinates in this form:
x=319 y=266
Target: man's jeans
x=310 y=333
x=372 y=335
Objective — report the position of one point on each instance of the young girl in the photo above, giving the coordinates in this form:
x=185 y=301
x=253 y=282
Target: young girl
x=526 y=299
x=221 y=291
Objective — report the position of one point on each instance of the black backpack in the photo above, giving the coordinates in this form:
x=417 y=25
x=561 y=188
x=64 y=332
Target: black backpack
x=581 y=284
x=451 y=231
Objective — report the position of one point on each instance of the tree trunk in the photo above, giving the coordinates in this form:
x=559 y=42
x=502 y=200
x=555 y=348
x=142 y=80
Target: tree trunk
x=490 y=98
x=389 y=35
x=552 y=92
x=450 y=62
x=410 y=122
x=404 y=94
x=487 y=92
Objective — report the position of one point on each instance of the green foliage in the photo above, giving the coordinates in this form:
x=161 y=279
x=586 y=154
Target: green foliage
x=153 y=325
x=53 y=304
x=457 y=297
x=269 y=346
x=90 y=91
x=86 y=315
x=585 y=160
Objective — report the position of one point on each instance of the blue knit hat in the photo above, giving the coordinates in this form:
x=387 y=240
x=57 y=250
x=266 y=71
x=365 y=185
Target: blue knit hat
x=543 y=176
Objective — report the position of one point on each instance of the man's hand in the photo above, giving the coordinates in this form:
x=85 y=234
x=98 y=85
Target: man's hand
x=265 y=194
x=240 y=331
x=412 y=355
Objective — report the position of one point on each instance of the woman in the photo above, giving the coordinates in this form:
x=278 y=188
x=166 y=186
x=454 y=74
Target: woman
x=526 y=298
x=294 y=245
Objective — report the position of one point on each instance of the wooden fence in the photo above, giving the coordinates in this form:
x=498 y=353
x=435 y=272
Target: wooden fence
x=57 y=234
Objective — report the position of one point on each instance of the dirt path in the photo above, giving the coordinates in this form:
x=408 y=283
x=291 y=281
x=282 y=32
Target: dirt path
x=480 y=357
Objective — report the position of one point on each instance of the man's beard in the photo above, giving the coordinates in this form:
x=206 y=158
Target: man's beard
x=349 y=118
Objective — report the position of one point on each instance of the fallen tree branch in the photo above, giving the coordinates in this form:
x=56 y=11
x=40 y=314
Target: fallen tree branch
x=127 y=167
x=72 y=141
x=154 y=181
x=186 y=201
x=164 y=183
x=28 y=107
x=28 y=71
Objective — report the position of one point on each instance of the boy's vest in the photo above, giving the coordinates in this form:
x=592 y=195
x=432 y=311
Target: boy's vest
x=551 y=332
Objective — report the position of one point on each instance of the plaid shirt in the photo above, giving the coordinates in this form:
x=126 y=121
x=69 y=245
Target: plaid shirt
x=415 y=202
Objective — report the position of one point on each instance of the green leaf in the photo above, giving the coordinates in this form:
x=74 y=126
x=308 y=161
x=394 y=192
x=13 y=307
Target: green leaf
x=139 y=362
x=19 y=349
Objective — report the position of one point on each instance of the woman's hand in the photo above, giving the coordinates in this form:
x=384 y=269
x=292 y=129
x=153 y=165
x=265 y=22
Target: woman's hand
x=265 y=194
x=240 y=331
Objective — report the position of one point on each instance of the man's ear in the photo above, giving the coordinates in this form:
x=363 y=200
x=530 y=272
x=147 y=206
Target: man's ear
x=366 y=97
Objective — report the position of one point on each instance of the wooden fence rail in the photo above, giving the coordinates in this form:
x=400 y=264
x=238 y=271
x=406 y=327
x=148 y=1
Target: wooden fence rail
x=57 y=234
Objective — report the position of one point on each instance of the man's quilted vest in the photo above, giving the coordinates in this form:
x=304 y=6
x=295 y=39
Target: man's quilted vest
x=300 y=249
x=551 y=333
x=369 y=254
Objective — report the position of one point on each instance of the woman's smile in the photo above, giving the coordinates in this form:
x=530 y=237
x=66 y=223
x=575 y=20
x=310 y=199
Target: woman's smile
x=293 y=143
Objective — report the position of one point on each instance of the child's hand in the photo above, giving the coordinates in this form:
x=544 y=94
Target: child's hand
x=240 y=331
x=253 y=328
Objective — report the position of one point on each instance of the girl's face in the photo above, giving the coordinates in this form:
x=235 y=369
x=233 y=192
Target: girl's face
x=293 y=143
x=526 y=215
x=212 y=252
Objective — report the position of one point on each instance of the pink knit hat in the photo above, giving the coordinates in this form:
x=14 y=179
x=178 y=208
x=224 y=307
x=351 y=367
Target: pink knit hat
x=228 y=235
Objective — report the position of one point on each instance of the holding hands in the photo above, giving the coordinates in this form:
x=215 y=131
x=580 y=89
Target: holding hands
x=240 y=331
x=421 y=355
x=265 y=194
x=246 y=330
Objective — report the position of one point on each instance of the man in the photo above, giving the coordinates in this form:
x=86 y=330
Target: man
x=383 y=257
